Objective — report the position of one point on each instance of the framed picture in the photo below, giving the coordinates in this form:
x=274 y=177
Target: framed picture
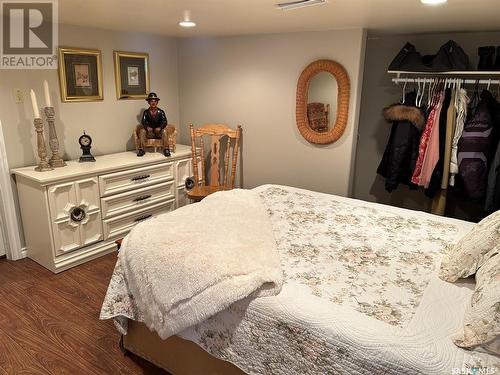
x=80 y=74
x=131 y=75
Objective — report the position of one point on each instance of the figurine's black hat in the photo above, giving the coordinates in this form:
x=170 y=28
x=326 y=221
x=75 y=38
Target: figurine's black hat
x=151 y=96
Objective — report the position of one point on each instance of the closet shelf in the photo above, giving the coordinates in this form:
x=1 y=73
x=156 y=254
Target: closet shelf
x=450 y=73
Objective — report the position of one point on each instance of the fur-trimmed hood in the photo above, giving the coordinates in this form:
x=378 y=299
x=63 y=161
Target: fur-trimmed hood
x=401 y=112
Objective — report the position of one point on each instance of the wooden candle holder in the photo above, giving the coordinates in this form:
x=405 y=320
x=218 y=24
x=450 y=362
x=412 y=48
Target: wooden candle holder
x=43 y=165
x=56 y=160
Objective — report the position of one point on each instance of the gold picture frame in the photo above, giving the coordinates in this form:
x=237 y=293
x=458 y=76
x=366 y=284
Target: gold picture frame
x=131 y=75
x=80 y=74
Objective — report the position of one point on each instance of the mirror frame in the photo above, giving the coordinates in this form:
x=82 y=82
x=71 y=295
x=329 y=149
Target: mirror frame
x=344 y=91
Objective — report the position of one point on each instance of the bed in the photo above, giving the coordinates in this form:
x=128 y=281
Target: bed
x=360 y=296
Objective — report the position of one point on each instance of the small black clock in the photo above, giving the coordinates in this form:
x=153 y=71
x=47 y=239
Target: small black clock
x=85 y=142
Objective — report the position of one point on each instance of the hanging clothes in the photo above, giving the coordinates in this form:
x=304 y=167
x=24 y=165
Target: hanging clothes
x=434 y=183
x=428 y=153
x=451 y=122
x=494 y=108
x=424 y=140
x=462 y=105
x=473 y=151
x=492 y=202
x=439 y=181
x=400 y=155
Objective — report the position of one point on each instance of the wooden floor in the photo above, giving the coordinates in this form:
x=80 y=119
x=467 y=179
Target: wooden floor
x=49 y=324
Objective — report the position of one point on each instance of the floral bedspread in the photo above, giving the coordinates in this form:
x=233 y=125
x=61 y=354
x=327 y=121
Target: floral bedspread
x=376 y=262
x=355 y=274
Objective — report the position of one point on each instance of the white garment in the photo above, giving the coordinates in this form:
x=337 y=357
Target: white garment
x=462 y=103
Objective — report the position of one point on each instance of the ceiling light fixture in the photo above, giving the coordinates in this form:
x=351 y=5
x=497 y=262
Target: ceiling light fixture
x=300 y=4
x=433 y=2
x=187 y=23
x=186 y=20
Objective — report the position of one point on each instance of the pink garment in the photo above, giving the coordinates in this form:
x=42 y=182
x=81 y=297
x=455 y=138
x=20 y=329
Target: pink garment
x=431 y=156
x=424 y=140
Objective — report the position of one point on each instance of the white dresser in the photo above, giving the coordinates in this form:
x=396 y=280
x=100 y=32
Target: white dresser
x=74 y=214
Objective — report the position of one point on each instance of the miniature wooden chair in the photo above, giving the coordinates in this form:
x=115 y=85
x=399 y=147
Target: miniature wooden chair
x=157 y=143
x=318 y=116
x=216 y=133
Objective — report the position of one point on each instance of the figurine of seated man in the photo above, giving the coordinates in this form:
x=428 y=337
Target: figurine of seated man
x=154 y=125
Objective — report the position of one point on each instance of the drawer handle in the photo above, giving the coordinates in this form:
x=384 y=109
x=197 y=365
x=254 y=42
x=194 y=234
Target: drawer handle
x=138 y=178
x=77 y=214
x=141 y=198
x=143 y=218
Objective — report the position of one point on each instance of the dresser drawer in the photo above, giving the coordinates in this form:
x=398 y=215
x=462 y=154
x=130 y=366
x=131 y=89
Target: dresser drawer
x=119 y=204
x=120 y=182
x=119 y=226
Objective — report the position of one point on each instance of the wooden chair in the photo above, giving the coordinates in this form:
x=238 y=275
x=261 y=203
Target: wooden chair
x=216 y=133
x=157 y=143
x=318 y=115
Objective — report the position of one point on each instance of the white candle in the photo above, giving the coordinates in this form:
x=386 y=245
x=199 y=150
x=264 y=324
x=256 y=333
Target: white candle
x=34 y=104
x=47 y=94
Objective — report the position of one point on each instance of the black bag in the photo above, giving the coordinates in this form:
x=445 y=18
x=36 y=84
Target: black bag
x=449 y=57
x=408 y=59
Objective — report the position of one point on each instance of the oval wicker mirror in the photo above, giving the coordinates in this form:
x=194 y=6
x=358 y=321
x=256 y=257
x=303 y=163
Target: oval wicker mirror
x=335 y=130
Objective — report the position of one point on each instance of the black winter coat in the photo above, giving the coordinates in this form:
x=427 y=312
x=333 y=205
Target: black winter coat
x=401 y=152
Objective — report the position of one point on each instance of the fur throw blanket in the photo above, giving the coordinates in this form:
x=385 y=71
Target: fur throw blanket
x=187 y=265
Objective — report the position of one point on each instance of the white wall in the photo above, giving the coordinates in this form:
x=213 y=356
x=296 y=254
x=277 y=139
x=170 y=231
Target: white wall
x=110 y=121
x=248 y=80
x=251 y=80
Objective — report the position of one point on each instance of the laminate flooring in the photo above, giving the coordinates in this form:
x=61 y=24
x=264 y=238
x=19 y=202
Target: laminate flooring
x=49 y=324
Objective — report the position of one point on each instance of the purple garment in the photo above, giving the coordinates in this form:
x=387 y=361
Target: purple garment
x=473 y=151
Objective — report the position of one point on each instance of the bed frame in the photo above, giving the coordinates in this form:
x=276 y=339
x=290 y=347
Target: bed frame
x=175 y=355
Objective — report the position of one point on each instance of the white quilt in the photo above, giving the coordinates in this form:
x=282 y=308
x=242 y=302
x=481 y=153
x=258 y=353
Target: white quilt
x=183 y=267
x=360 y=296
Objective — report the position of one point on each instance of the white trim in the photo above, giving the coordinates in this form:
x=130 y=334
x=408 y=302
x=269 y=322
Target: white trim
x=3 y=242
x=11 y=225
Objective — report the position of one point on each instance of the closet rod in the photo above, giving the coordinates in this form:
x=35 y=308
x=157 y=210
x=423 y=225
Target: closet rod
x=463 y=81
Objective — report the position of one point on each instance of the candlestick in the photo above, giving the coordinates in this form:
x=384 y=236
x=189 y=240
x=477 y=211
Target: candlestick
x=47 y=93
x=43 y=165
x=34 y=103
x=55 y=161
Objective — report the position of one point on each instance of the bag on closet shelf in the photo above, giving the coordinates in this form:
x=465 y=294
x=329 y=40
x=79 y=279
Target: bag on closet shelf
x=408 y=59
x=450 y=57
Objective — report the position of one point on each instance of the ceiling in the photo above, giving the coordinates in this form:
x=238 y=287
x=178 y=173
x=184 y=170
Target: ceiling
x=239 y=17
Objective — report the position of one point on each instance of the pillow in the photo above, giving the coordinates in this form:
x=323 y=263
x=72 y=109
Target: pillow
x=482 y=317
x=475 y=248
